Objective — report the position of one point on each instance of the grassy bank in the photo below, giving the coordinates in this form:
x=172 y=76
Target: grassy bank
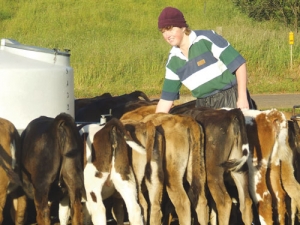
x=116 y=47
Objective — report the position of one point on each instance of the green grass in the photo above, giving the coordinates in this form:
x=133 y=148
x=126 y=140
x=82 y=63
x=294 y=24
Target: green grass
x=116 y=47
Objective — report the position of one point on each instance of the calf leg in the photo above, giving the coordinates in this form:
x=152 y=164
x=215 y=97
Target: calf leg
x=241 y=182
x=41 y=204
x=143 y=203
x=3 y=193
x=202 y=207
x=138 y=164
x=64 y=211
x=262 y=196
x=128 y=191
x=20 y=204
x=118 y=209
x=73 y=178
x=93 y=187
x=212 y=211
x=294 y=217
x=86 y=215
x=279 y=204
x=290 y=184
x=178 y=196
x=219 y=194
x=155 y=190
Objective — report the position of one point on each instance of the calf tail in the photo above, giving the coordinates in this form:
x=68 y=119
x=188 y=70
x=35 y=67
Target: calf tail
x=242 y=144
x=9 y=170
x=133 y=144
x=197 y=192
x=136 y=147
x=12 y=175
x=235 y=165
x=150 y=140
x=198 y=183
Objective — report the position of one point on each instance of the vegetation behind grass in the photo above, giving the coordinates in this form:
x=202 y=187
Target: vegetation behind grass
x=116 y=47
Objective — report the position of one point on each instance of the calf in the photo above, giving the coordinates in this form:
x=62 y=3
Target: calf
x=271 y=166
x=107 y=168
x=139 y=113
x=82 y=102
x=10 y=167
x=148 y=170
x=175 y=155
x=294 y=142
x=51 y=160
x=115 y=105
x=226 y=151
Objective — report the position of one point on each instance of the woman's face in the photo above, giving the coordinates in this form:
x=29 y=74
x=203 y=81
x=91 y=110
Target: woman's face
x=173 y=35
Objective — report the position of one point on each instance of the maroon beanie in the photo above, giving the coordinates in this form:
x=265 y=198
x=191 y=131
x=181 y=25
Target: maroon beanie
x=171 y=17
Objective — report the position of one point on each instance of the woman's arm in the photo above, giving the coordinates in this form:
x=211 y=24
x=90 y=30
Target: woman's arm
x=241 y=76
x=163 y=106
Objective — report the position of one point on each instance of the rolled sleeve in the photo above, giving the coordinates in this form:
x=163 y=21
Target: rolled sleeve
x=170 y=96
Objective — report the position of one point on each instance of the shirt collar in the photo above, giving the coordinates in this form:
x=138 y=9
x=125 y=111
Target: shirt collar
x=176 y=51
x=192 y=37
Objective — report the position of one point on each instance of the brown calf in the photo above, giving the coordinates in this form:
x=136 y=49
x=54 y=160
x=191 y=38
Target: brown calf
x=226 y=152
x=9 y=161
x=51 y=158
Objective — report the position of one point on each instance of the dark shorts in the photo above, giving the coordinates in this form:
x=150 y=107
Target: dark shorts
x=226 y=98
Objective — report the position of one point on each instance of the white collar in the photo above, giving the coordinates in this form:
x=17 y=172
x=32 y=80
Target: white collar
x=176 y=51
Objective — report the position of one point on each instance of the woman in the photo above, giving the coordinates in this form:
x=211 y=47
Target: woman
x=204 y=62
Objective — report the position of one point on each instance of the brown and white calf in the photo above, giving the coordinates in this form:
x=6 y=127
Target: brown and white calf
x=107 y=169
x=175 y=155
x=9 y=170
x=271 y=165
x=51 y=166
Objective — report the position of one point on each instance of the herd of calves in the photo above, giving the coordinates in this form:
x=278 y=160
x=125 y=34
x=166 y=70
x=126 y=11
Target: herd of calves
x=190 y=166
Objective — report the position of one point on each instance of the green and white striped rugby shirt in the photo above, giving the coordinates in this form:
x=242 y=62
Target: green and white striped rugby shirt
x=210 y=67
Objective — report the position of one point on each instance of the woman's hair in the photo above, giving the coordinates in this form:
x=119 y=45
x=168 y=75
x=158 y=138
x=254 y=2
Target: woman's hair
x=187 y=29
